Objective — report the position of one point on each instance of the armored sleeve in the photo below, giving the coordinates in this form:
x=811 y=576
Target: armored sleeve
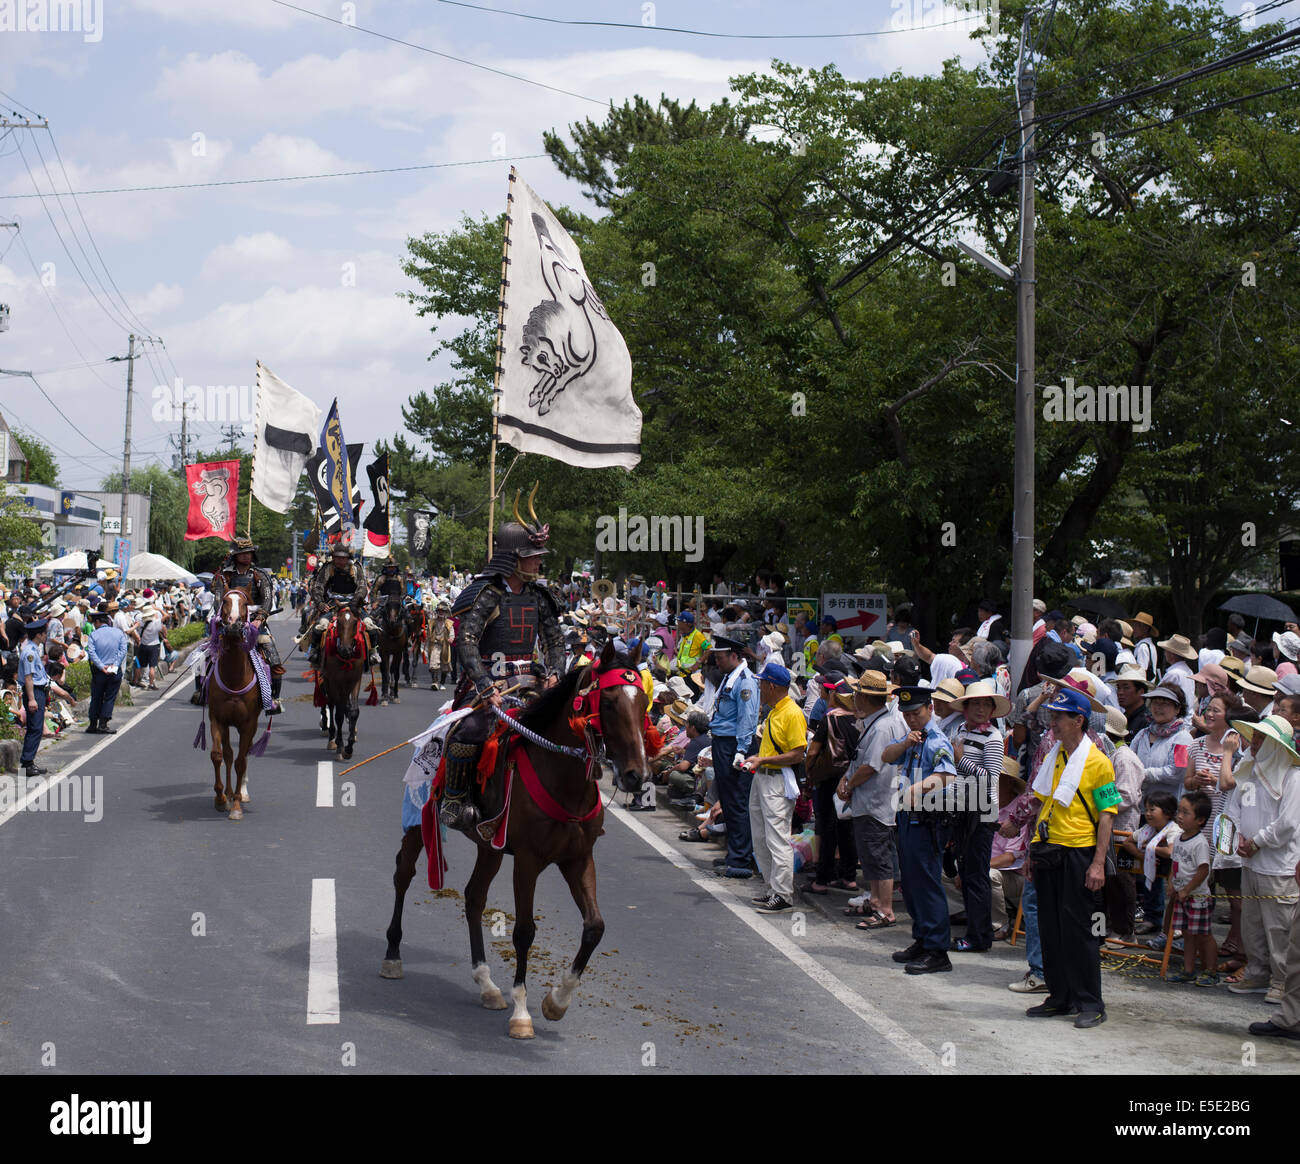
x=316 y=591
x=549 y=633
x=263 y=590
x=472 y=624
x=362 y=597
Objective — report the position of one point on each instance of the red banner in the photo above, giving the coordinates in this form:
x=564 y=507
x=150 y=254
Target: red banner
x=214 y=496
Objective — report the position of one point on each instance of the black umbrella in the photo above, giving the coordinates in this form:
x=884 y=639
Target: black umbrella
x=1095 y=604
x=1259 y=606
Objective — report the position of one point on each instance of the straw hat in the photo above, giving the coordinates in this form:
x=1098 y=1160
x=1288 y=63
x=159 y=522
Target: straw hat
x=680 y=688
x=1143 y=618
x=949 y=691
x=1277 y=728
x=985 y=690
x=1133 y=675
x=874 y=683
x=677 y=711
x=1233 y=665
x=1260 y=680
x=1084 y=680
x=1116 y=723
x=1181 y=646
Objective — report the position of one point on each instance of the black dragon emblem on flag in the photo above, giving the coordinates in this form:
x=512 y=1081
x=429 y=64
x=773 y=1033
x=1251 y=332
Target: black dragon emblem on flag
x=559 y=339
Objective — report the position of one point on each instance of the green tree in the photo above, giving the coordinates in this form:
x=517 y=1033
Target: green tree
x=42 y=468
x=20 y=537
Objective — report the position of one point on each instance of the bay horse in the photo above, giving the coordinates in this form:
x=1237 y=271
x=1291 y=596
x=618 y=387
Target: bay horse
x=393 y=630
x=343 y=664
x=234 y=698
x=418 y=618
x=555 y=825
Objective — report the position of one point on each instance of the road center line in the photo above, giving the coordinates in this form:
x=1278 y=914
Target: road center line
x=323 y=958
x=324 y=783
x=874 y=1018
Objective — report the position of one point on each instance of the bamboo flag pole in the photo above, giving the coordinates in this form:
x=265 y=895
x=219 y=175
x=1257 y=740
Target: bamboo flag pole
x=499 y=368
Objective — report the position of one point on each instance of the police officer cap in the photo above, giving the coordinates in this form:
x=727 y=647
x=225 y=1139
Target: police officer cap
x=912 y=697
x=776 y=674
x=35 y=627
x=722 y=643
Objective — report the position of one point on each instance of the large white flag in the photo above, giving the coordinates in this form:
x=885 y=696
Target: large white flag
x=566 y=376
x=287 y=428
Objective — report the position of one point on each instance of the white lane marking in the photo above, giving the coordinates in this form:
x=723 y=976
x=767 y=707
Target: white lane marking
x=58 y=778
x=873 y=1017
x=323 y=959
x=324 y=783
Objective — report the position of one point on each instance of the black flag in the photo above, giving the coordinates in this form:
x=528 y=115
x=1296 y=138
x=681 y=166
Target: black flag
x=376 y=525
x=316 y=472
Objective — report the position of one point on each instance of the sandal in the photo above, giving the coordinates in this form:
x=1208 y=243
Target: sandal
x=813 y=887
x=1001 y=934
x=689 y=835
x=844 y=883
x=857 y=911
x=877 y=921
x=1235 y=978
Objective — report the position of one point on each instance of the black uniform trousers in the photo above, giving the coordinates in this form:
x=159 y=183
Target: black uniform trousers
x=1071 y=950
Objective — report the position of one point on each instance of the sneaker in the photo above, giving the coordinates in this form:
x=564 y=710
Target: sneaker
x=1274 y=995
x=861 y=900
x=1029 y=984
x=1180 y=977
x=1145 y=927
x=1207 y=978
x=775 y=904
x=1250 y=986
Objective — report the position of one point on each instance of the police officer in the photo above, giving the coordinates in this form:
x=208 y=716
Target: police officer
x=35 y=684
x=926 y=765
x=732 y=728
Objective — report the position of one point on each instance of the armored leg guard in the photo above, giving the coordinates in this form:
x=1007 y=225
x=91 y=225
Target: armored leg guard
x=457 y=812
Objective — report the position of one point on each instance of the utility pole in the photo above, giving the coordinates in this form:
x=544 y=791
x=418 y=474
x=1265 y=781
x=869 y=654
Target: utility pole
x=1022 y=550
x=231 y=432
x=126 y=441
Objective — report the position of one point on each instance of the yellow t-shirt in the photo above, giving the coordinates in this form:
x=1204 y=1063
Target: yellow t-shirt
x=786 y=730
x=1073 y=827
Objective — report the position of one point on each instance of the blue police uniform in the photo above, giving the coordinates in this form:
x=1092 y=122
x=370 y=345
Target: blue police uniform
x=30 y=663
x=921 y=837
x=734 y=722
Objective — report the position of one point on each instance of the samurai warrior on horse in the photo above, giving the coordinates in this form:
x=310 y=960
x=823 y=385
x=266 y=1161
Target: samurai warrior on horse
x=239 y=572
x=504 y=614
x=340 y=582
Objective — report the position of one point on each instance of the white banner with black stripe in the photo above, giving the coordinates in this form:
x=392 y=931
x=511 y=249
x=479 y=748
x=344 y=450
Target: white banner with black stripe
x=287 y=424
x=566 y=375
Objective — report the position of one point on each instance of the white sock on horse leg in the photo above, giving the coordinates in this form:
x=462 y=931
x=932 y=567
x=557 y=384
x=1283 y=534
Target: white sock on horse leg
x=563 y=994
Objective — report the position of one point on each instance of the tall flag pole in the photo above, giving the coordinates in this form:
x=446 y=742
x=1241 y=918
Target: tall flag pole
x=498 y=366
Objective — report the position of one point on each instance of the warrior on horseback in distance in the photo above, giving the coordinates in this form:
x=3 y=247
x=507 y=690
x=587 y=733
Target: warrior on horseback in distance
x=238 y=572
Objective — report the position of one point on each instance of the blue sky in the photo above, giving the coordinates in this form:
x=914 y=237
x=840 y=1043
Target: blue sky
x=305 y=276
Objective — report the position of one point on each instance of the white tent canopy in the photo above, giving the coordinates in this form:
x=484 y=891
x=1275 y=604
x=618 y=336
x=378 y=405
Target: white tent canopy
x=156 y=568
x=73 y=561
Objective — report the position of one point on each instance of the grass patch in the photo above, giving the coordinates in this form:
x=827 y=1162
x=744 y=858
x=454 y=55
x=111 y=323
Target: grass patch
x=76 y=679
x=183 y=636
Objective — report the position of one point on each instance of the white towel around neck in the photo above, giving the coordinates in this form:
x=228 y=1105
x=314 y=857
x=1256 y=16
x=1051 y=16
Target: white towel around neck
x=1070 y=778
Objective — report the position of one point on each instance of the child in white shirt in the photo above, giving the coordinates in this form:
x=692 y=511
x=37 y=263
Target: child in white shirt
x=1192 y=904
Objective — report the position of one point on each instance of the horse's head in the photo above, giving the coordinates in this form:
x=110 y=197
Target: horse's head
x=233 y=616
x=623 y=704
x=345 y=632
x=394 y=614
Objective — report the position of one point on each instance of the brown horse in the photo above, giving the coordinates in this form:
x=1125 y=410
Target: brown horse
x=234 y=699
x=418 y=620
x=393 y=629
x=611 y=694
x=343 y=664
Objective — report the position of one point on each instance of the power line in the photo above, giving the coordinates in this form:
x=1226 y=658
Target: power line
x=284 y=178
x=41 y=390
x=444 y=56
x=973 y=17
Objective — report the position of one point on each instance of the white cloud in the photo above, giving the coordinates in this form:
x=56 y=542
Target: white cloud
x=249 y=253
x=160 y=298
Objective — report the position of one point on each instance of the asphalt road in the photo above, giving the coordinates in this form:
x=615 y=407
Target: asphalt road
x=164 y=938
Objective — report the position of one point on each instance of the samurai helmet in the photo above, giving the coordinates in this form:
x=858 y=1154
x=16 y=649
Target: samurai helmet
x=518 y=539
x=243 y=546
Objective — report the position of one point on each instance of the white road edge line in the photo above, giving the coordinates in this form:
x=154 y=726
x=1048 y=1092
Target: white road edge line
x=323 y=959
x=53 y=781
x=874 y=1018
x=324 y=783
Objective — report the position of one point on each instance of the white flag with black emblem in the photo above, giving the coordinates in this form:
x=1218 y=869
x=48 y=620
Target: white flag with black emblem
x=287 y=428
x=566 y=376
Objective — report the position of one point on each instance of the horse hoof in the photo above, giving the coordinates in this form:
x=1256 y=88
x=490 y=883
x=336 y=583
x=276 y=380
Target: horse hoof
x=550 y=1010
x=220 y=804
x=521 y=1028
x=236 y=813
x=347 y=753
x=243 y=796
x=493 y=1000
x=392 y=968
x=383 y=703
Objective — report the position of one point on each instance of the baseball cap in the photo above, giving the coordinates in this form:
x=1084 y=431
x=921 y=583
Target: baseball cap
x=1069 y=700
